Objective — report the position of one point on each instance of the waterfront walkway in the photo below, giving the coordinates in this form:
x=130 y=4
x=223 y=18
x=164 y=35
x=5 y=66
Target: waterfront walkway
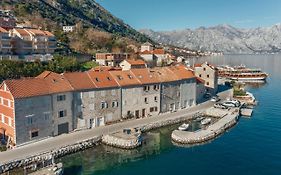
x=75 y=137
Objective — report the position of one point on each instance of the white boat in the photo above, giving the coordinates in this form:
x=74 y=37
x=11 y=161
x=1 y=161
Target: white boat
x=183 y=127
x=206 y=121
x=199 y=119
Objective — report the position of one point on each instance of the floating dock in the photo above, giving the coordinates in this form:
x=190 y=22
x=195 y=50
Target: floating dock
x=246 y=112
x=212 y=131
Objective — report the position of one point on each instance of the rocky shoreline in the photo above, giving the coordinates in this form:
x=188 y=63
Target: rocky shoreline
x=86 y=144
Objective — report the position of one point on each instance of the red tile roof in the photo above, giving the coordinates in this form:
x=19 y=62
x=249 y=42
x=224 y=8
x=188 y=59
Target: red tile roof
x=159 y=51
x=146 y=76
x=22 y=32
x=165 y=74
x=182 y=72
x=125 y=78
x=136 y=62
x=56 y=83
x=80 y=80
x=2 y=30
x=27 y=87
x=102 y=79
x=146 y=52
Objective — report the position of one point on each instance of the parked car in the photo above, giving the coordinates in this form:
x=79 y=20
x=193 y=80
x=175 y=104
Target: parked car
x=231 y=104
x=220 y=106
x=215 y=99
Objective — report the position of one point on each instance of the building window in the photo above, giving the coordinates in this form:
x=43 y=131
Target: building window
x=1 y=100
x=115 y=104
x=156 y=87
x=108 y=78
x=3 y=118
x=61 y=98
x=97 y=80
x=204 y=69
x=146 y=100
x=130 y=76
x=62 y=113
x=208 y=76
x=104 y=105
x=47 y=116
x=207 y=83
x=155 y=99
x=119 y=77
x=155 y=109
x=151 y=109
x=178 y=94
x=200 y=75
x=146 y=88
x=29 y=119
x=10 y=122
x=34 y=134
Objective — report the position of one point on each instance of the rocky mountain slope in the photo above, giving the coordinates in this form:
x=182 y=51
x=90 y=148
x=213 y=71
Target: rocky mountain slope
x=225 y=38
x=69 y=12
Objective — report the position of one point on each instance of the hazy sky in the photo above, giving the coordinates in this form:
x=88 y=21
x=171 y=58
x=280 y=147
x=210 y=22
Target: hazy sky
x=180 y=14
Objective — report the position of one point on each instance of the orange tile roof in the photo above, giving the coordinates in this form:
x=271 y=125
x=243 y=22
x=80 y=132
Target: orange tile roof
x=182 y=72
x=136 y=62
x=22 y=32
x=49 y=33
x=165 y=74
x=23 y=88
x=200 y=80
x=146 y=76
x=102 y=79
x=197 y=65
x=159 y=51
x=80 y=80
x=125 y=78
x=56 y=83
x=2 y=30
x=36 y=32
x=106 y=68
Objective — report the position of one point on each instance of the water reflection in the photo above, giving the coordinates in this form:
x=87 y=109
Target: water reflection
x=105 y=157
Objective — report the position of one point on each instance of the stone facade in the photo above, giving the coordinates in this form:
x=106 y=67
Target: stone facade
x=170 y=96
x=188 y=93
x=140 y=101
x=33 y=119
x=209 y=74
x=101 y=106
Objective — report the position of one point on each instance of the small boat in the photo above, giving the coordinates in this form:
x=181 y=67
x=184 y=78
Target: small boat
x=206 y=121
x=183 y=127
x=199 y=119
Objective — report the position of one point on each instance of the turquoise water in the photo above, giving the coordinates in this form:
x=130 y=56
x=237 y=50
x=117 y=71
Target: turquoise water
x=251 y=147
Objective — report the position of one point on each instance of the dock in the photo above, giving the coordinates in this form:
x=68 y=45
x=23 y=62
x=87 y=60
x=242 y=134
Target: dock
x=212 y=131
x=246 y=112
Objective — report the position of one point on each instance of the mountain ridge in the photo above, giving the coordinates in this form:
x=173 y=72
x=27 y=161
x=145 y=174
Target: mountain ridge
x=223 y=37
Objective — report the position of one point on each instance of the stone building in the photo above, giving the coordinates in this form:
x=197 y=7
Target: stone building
x=51 y=104
x=132 y=64
x=5 y=42
x=209 y=74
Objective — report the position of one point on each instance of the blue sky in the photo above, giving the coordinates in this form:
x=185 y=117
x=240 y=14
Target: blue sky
x=180 y=14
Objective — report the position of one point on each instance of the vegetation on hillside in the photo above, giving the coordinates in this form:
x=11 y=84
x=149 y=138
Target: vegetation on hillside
x=97 y=30
x=17 y=69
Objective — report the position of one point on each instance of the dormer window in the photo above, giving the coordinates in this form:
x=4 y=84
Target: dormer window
x=97 y=80
x=108 y=78
x=119 y=77
x=130 y=76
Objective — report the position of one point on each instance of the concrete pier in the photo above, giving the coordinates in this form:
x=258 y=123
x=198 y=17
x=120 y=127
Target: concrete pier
x=246 y=112
x=212 y=131
x=124 y=140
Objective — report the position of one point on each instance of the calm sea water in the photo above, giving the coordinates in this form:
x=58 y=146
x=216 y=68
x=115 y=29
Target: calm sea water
x=252 y=147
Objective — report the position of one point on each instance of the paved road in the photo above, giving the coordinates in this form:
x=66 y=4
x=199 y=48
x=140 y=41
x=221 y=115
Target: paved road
x=75 y=137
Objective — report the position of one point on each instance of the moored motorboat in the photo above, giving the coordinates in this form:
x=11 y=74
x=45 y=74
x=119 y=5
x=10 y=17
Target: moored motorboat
x=206 y=121
x=183 y=127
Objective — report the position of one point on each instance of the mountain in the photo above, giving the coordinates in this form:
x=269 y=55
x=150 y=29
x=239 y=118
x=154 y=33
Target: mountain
x=225 y=38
